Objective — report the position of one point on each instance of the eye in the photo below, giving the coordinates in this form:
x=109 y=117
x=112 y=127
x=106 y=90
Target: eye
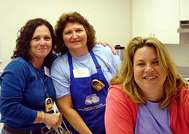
x=79 y=30
x=140 y=64
x=36 y=38
x=47 y=38
x=67 y=32
x=155 y=62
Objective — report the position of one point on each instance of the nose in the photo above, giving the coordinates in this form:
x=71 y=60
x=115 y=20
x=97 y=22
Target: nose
x=74 y=35
x=149 y=68
x=42 y=41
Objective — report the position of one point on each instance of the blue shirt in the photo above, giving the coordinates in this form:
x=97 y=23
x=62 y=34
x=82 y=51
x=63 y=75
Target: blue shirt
x=23 y=91
x=60 y=69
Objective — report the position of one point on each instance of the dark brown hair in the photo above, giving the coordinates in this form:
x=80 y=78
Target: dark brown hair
x=25 y=36
x=73 y=17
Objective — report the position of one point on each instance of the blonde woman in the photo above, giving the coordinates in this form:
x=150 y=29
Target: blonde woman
x=147 y=95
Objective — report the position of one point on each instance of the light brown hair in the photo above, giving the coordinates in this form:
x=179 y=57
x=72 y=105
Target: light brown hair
x=125 y=76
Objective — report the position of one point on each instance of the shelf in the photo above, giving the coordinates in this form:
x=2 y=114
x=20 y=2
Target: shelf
x=183 y=30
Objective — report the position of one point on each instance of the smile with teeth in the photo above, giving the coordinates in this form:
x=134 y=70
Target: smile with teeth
x=149 y=77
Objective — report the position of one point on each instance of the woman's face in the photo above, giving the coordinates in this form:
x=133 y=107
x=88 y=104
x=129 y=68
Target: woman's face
x=41 y=43
x=148 y=73
x=75 y=37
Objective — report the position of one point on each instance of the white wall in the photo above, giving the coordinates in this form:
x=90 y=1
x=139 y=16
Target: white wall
x=184 y=9
x=156 y=18
x=160 y=18
x=111 y=18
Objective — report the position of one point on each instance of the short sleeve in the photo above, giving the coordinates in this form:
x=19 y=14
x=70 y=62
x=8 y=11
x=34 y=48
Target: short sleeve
x=60 y=76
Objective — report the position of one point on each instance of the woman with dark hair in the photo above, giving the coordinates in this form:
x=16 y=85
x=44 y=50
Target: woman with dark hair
x=147 y=95
x=26 y=85
x=81 y=74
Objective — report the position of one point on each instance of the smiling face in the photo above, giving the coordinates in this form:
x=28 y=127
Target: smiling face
x=75 y=38
x=40 y=44
x=148 y=73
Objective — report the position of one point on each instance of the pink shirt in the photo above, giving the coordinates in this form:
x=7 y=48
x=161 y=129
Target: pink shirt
x=121 y=112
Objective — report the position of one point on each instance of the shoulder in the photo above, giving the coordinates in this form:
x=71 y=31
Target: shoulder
x=18 y=61
x=184 y=93
x=17 y=69
x=17 y=64
x=120 y=108
x=61 y=60
x=105 y=53
x=181 y=99
x=179 y=107
x=100 y=48
x=117 y=92
x=60 y=64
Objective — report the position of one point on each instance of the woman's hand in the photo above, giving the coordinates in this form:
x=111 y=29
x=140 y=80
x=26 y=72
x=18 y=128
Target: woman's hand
x=109 y=45
x=53 y=120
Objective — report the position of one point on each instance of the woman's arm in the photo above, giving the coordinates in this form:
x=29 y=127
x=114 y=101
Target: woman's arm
x=14 y=78
x=13 y=85
x=119 y=117
x=185 y=103
x=66 y=108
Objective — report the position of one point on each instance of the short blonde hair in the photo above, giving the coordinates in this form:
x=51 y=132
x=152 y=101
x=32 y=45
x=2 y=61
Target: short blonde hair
x=125 y=76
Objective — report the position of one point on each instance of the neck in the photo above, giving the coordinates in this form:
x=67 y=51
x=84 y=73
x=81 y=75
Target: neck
x=155 y=95
x=80 y=52
x=37 y=63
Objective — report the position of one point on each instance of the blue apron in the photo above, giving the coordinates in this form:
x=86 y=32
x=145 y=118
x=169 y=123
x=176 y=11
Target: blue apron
x=89 y=103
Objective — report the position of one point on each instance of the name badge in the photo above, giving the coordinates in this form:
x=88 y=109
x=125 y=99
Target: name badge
x=46 y=70
x=81 y=72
